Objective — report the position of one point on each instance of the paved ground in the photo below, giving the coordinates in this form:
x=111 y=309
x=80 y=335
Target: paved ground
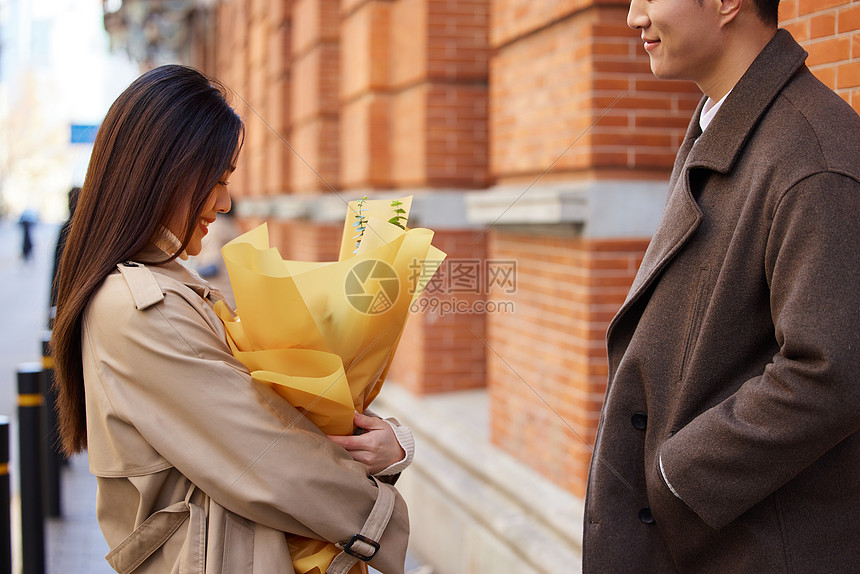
x=74 y=544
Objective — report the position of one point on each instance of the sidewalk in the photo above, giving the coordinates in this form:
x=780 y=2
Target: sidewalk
x=74 y=543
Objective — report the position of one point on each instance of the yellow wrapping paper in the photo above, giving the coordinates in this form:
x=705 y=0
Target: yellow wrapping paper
x=323 y=334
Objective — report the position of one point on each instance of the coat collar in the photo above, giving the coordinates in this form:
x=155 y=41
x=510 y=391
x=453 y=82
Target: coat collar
x=721 y=144
x=176 y=271
x=717 y=149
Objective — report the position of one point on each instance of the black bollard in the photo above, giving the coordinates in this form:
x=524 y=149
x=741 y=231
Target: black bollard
x=5 y=499
x=31 y=402
x=53 y=455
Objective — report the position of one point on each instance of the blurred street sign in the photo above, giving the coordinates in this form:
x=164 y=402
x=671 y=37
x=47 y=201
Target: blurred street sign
x=83 y=133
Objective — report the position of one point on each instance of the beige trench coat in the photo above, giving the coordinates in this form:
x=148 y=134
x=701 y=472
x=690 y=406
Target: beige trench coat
x=198 y=464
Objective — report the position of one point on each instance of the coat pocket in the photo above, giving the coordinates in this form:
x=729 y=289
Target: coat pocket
x=238 y=546
x=230 y=542
x=697 y=312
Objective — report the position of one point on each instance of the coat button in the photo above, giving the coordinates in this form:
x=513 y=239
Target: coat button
x=646 y=517
x=639 y=420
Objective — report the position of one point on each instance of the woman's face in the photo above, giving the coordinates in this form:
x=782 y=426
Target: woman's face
x=217 y=202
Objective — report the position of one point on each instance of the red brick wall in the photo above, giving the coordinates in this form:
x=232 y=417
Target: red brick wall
x=408 y=118
x=442 y=349
x=468 y=94
x=278 y=65
x=369 y=93
x=439 y=71
x=572 y=74
x=256 y=95
x=579 y=95
x=547 y=367
x=306 y=240
x=315 y=110
x=231 y=54
x=253 y=61
x=830 y=32
x=517 y=18
x=365 y=101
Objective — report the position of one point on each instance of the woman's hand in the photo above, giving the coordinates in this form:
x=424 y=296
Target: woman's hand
x=377 y=448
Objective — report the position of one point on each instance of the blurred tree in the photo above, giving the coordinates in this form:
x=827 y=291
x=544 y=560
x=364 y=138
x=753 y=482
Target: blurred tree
x=33 y=150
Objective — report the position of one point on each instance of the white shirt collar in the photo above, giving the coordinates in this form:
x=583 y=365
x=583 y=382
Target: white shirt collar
x=710 y=110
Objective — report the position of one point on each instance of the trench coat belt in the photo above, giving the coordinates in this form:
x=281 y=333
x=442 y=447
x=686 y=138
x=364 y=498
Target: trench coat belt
x=156 y=530
x=371 y=532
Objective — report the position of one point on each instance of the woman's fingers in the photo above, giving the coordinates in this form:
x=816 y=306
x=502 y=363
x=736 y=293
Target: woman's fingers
x=377 y=448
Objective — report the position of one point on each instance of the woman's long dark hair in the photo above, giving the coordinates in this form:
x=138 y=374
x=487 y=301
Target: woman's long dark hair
x=163 y=146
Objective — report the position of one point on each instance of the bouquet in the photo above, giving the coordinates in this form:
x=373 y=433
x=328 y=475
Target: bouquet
x=323 y=334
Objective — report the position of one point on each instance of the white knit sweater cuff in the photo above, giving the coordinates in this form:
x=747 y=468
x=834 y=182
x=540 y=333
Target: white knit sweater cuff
x=407 y=442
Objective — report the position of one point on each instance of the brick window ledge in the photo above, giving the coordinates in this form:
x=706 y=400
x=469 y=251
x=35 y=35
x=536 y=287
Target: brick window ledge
x=594 y=209
x=434 y=208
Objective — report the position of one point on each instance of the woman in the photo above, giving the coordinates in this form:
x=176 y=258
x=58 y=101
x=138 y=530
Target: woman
x=197 y=464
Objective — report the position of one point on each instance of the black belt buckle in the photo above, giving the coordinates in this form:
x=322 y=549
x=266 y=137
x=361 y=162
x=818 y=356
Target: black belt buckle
x=361 y=538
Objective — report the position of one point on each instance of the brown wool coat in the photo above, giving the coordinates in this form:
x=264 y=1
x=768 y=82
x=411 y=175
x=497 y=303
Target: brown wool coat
x=736 y=357
x=180 y=436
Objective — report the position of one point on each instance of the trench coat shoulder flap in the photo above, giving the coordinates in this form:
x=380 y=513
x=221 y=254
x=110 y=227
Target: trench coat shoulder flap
x=148 y=284
x=144 y=288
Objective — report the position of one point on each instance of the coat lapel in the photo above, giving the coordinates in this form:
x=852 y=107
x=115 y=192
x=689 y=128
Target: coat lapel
x=680 y=220
x=681 y=217
x=715 y=150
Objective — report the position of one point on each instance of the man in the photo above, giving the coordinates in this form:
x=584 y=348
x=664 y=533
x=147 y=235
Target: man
x=729 y=436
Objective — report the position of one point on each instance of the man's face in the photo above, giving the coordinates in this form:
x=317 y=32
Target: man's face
x=681 y=37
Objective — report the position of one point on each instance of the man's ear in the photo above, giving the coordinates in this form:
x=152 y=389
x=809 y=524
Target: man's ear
x=729 y=9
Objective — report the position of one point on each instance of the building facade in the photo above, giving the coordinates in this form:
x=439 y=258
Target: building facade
x=538 y=146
